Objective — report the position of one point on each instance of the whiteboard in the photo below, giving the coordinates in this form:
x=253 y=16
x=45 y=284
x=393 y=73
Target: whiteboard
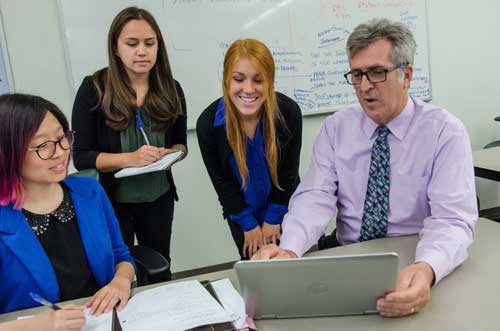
x=307 y=39
x=6 y=82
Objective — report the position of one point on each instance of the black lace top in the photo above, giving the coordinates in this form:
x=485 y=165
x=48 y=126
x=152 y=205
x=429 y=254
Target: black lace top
x=59 y=236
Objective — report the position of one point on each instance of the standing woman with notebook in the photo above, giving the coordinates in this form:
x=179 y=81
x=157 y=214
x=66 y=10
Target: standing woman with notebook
x=130 y=114
x=250 y=140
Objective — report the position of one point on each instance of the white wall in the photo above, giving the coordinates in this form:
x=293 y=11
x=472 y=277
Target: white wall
x=464 y=72
x=35 y=49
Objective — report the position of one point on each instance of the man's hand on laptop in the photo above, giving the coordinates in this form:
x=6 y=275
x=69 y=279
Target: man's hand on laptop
x=272 y=251
x=412 y=293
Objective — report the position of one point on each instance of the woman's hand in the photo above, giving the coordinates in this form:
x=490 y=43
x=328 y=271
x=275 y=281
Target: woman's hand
x=173 y=149
x=70 y=317
x=271 y=233
x=253 y=240
x=117 y=291
x=145 y=155
x=164 y=150
x=178 y=147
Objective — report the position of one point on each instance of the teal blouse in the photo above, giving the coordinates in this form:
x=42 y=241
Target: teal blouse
x=145 y=187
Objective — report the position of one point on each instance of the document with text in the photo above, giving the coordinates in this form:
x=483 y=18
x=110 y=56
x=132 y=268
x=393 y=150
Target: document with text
x=177 y=306
x=97 y=323
x=173 y=307
x=231 y=300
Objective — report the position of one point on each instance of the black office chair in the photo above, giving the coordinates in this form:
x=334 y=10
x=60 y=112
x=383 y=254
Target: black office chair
x=491 y=213
x=495 y=143
x=151 y=265
x=328 y=241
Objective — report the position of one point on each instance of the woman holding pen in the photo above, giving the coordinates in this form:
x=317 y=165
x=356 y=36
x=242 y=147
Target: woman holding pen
x=250 y=141
x=130 y=114
x=59 y=237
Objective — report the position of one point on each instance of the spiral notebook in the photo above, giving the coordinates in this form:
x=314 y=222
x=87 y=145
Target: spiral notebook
x=163 y=163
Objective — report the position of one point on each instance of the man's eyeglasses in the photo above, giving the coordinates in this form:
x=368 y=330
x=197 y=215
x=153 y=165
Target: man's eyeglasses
x=47 y=150
x=375 y=75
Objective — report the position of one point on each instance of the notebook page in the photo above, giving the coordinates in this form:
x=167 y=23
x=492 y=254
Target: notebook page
x=164 y=162
x=172 y=307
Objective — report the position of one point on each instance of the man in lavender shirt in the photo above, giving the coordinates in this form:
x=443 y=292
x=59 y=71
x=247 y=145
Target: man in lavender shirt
x=431 y=191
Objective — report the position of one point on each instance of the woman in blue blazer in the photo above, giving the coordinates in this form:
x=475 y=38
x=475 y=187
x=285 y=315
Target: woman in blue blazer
x=59 y=236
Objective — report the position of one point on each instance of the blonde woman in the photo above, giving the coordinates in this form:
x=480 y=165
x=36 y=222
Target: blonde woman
x=250 y=140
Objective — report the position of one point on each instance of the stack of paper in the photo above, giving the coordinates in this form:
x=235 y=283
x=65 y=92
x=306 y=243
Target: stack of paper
x=171 y=307
x=231 y=300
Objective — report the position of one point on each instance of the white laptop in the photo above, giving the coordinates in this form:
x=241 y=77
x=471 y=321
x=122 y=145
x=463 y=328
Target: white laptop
x=316 y=286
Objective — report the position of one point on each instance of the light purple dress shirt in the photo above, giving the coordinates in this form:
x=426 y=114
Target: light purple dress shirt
x=432 y=189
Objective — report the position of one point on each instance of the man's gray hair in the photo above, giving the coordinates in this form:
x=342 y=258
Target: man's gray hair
x=401 y=38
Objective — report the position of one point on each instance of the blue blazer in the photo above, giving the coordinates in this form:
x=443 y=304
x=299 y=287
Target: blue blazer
x=24 y=266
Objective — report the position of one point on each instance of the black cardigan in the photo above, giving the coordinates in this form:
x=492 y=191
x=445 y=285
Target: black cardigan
x=94 y=136
x=215 y=151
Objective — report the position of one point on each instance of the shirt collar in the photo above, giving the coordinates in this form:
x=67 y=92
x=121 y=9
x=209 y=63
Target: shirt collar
x=398 y=126
x=258 y=137
x=11 y=219
x=220 y=119
x=220 y=115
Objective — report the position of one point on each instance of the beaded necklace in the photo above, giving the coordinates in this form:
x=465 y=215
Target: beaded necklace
x=64 y=213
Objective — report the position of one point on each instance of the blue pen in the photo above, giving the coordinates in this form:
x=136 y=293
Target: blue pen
x=141 y=127
x=41 y=300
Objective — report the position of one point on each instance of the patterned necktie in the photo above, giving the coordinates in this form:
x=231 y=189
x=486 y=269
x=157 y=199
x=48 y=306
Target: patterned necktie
x=376 y=208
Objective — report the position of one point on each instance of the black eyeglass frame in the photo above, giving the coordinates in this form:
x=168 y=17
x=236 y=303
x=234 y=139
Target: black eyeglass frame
x=366 y=73
x=69 y=135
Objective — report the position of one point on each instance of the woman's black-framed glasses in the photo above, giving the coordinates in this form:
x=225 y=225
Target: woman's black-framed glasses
x=47 y=150
x=375 y=75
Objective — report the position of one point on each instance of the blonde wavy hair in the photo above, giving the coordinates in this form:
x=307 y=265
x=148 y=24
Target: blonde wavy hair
x=262 y=60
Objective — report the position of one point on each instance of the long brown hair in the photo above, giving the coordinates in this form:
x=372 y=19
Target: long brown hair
x=262 y=60
x=116 y=95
